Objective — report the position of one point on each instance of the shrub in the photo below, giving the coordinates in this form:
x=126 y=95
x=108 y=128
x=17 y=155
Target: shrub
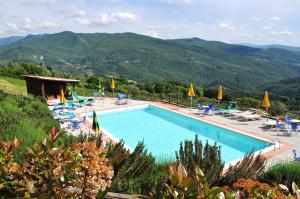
x=135 y=172
x=51 y=170
x=25 y=118
x=250 y=167
x=208 y=158
x=179 y=184
x=255 y=189
x=283 y=174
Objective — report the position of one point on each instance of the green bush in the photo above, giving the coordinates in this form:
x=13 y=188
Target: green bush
x=207 y=158
x=283 y=174
x=25 y=118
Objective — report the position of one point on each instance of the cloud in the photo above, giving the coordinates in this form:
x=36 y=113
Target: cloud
x=255 y=18
x=82 y=21
x=279 y=33
x=40 y=2
x=28 y=25
x=115 y=17
x=179 y=2
x=47 y=24
x=267 y=27
x=275 y=18
x=11 y=25
x=248 y=35
x=226 y=26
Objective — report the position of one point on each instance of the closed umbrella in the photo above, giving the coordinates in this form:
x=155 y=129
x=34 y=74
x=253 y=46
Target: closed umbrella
x=220 y=93
x=191 y=94
x=62 y=97
x=266 y=101
x=95 y=126
x=113 y=86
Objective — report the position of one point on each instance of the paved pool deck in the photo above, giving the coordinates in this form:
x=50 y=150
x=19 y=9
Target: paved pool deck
x=281 y=153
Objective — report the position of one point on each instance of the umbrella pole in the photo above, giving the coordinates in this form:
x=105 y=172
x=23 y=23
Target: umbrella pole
x=191 y=102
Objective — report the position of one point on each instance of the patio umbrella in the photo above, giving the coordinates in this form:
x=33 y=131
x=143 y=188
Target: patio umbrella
x=95 y=126
x=62 y=97
x=266 y=101
x=191 y=93
x=220 y=93
x=113 y=86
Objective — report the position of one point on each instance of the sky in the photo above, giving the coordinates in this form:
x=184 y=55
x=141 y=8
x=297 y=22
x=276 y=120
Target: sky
x=231 y=21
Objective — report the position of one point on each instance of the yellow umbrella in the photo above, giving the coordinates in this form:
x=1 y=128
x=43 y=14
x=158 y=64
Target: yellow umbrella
x=113 y=86
x=220 y=93
x=191 y=93
x=95 y=126
x=62 y=97
x=266 y=101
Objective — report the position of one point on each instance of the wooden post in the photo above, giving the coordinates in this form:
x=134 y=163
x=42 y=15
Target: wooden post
x=43 y=89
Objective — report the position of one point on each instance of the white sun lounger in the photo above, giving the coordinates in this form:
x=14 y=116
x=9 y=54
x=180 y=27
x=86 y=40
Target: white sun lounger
x=247 y=117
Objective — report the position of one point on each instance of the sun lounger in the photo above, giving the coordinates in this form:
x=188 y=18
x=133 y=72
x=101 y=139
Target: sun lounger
x=121 y=99
x=279 y=125
x=76 y=97
x=295 y=155
x=270 y=123
x=231 y=107
x=73 y=105
x=75 y=124
x=247 y=117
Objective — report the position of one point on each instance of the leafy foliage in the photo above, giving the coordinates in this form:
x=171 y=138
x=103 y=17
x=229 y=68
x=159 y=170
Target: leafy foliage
x=135 y=172
x=250 y=167
x=179 y=185
x=283 y=174
x=208 y=158
x=50 y=170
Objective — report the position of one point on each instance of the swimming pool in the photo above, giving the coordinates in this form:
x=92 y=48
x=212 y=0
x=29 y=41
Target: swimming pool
x=163 y=130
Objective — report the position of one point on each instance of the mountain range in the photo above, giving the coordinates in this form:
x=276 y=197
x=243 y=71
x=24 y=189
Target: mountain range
x=9 y=40
x=146 y=59
x=290 y=48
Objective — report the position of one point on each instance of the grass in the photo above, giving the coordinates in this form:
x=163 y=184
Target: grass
x=13 y=85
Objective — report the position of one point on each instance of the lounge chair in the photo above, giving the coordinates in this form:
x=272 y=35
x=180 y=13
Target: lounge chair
x=232 y=106
x=294 y=126
x=287 y=119
x=77 y=98
x=121 y=99
x=75 y=124
x=73 y=105
x=208 y=110
x=279 y=125
x=247 y=117
x=295 y=155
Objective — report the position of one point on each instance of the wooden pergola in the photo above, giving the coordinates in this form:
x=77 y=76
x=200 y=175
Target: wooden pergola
x=47 y=86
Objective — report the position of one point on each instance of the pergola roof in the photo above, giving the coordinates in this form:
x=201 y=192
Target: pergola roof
x=56 y=79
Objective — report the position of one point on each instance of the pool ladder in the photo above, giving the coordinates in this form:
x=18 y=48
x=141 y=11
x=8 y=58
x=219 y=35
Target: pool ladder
x=277 y=139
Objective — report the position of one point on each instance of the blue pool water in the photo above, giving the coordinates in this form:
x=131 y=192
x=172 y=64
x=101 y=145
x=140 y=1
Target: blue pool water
x=162 y=132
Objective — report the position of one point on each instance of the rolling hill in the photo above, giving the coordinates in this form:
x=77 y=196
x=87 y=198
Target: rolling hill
x=290 y=48
x=288 y=87
x=147 y=59
x=9 y=40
